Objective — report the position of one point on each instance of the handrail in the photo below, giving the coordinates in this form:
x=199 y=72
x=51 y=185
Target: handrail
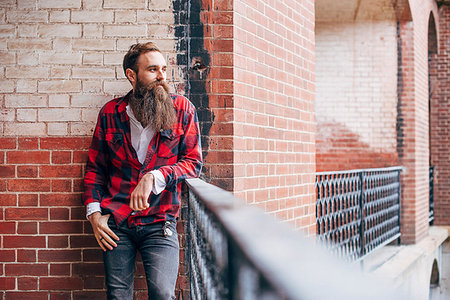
x=236 y=251
x=358 y=211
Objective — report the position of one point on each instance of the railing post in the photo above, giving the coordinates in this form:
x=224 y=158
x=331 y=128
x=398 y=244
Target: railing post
x=361 y=208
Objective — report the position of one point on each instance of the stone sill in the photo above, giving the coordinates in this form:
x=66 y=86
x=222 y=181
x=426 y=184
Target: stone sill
x=395 y=262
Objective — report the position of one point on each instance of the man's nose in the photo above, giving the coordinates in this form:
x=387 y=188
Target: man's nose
x=160 y=75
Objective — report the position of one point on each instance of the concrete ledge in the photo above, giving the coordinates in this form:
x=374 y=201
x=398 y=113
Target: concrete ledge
x=409 y=267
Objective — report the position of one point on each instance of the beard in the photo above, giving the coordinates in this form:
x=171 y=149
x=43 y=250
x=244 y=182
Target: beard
x=152 y=105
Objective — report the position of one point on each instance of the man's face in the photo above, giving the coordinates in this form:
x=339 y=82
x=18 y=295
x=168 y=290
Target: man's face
x=151 y=67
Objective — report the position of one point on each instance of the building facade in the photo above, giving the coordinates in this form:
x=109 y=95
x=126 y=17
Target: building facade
x=283 y=89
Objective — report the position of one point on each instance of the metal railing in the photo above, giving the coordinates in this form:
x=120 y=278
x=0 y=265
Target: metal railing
x=236 y=251
x=358 y=210
x=431 y=204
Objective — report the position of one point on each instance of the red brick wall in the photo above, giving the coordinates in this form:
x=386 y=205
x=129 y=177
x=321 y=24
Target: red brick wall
x=273 y=111
x=60 y=62
x=439 y=119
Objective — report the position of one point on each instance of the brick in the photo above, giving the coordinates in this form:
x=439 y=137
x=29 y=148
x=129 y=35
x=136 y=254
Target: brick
x=7 y=143
x=91 y=59
x=15 y=129
x=27 y=171
x=7 y=228
x=116 y=87
x=58 y=242
x=7 y=255
x=63 y=283
x=29 y=185
x=7 y=115
x=113 y=58
x=96 y=101
x=59 y=114
x=28 y=157
x=27 y=72
x=61 y=199
x=26 y=256
x=27 y=227
x=92 y=31
x=60 y=16
x=35 y=295
x=88 y=4
x=23 y=241
x=61 y=157
x=27 y=115
x=28 y=143
x=87 y=72
x=58 y=100
x=82 y=241
x=125 y=16
x=123 y=5
x=65 y=143
x=61 y=185
x=29 y=44
x=57 y=129
x=28 y=200
x=17 y=101
x=148 y=17
x=7 y=283
x=19 y=214
x=59 y=214
x=93 y=44
x=59 y=255
x=59 y=4
x=80 y=156
x=125 y=30
x=59 y=269
x=88 y=269
x=7 y=171
x=26 y=4
x=60 y=227
x=59 y=72
x=27 y=59
x=86 y=16
x=7 y=86
x=26 y=30
x=59 y=30
x=7 y=58
x=61 y=44
x=60 y=58
x=27 y=283
x=26 y=86
x=27 y=16
x=26 y=269
x=8 y=200
x=55 y=86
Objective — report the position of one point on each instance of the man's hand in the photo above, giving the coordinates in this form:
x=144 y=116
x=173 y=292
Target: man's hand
x=103 y=234
x=139 y=197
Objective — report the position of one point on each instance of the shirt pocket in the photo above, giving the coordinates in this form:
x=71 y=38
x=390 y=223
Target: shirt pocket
x=116 y=147
x=169 y=146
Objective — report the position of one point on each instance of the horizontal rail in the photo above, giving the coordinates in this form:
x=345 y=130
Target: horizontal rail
x=236 y=251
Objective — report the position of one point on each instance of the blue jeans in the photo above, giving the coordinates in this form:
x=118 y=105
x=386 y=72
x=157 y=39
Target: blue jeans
x=160 y=256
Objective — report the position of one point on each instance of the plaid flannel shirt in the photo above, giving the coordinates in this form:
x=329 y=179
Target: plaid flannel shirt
x=113 y=169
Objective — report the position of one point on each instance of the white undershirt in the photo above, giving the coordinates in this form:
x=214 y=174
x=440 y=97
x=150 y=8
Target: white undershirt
x=140 y=140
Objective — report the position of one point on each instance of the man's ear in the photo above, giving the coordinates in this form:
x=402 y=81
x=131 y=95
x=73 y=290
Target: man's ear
x=131 y=75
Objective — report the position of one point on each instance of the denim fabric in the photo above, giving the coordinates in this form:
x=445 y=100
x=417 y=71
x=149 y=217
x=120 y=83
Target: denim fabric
x=160 y=256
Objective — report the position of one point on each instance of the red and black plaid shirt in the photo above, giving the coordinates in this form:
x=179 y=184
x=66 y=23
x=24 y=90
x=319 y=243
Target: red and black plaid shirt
x=113 y=169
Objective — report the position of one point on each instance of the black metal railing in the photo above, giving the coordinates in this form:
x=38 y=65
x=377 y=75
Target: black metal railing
x=236 y=251
x=358 y=211
x=431 y=205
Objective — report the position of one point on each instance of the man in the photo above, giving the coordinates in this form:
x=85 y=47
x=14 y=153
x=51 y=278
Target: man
x=144 y=145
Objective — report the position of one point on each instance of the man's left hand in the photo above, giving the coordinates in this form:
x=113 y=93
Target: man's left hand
x=139 y=197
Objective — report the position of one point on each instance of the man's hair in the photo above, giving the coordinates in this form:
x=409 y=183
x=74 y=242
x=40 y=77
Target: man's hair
x=130 y=59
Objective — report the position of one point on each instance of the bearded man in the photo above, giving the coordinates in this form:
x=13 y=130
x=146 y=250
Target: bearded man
x=144 y=145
